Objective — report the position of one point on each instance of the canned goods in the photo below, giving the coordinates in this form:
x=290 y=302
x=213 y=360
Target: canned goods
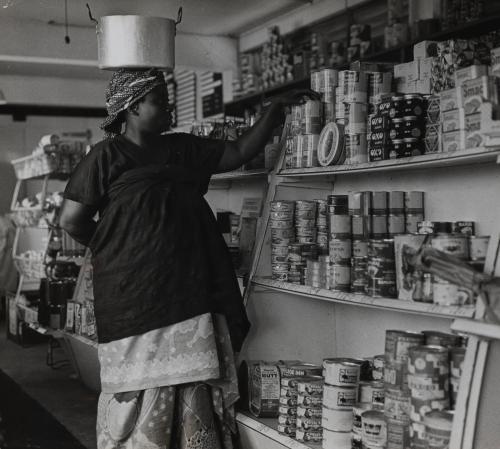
x=338 y=200
x=285 y=233
x=396 y=202
x=396 y=375
x=358 y=409
x=336 y=397
x=354 y=85
x=414 y=202
x=381 y=288
x=418 y=438
x=280 y=276
x=435 y=338
x=284 y=215
x=356 y=148
x=310 y=150
x=374 y=428
x=379 y=227
x=464 y=227
x=398 y=149
x=339 y=277
x=429 y=361
x=340 y=251
x=356 y=114
x=379 y=83
x=360 y=203
x=309 y=412
x=381 y=248
x=289 y=402
x=397 y=405
x=379 y=362
x=396 y=107
x=445 y=293
x=398 y=342
x=283 y=206
x=313 y=436
x=372 y=391
x=336 y=420
x=478 y=247
x=301 y=370
x=339 y=226
x=286 y=392
x=341 y=372
x=412 y=127
x=309 y=401
x=398 y=435
x=414 y=105
x=434 y=227
x=397 y=129
x=311 y=122
x=412 y=147
x=287 y=420
x=308 y=423
x=281 y=224
x=438 y=425
x=287 y=430
x=379 y=203
x=396 y=224
x=455 y=245
x=360 y=226
x=278 y=259
x=379 y=123
x=360 y=248
x=384 y=108
x=311 y=386
x=334 y=440
x=457 y=357
x=286 y=410
x=359 y=277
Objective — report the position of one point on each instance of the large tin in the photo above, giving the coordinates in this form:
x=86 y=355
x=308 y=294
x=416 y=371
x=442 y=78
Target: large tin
x=309 y=412
x=335 y=440
x=360 y=248
x=397 y=405
x=438 y=426
x=312 y=386
x=358 y=409
x=372 y=391
x=360 y=226
x=339 y=226
x=341 y=372
x=339 y=251
x=339 y=277
x=336 y=420
x=374 y=428
x=429 y=361
x=339 y=398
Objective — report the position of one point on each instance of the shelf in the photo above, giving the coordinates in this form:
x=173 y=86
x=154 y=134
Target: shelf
x=450 y=159
x=240 y=175
x=81 y=338
x=268 y=427
x=366 y=301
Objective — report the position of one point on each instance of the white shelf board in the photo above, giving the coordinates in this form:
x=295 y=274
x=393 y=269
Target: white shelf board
x=367 y=301
x=269 y=428
x=240 y=175
x=449 y=159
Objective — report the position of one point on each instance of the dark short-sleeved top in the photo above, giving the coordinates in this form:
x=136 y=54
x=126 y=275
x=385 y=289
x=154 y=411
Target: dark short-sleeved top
x=158 y=257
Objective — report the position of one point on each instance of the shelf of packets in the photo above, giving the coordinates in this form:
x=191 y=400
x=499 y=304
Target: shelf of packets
x=370 y=401
x=359 y=249
x=80 y=317
x=52 y=156
x=445 y=101
x=37 y=210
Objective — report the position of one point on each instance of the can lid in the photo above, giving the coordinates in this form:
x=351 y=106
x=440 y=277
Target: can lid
x=410 y=117
x=397 y=97
x=410 y=140
x=412 y=96
x=398 y=120
x=397 y=141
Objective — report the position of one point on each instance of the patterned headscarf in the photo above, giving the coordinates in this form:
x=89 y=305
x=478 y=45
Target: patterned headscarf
x=124 y=89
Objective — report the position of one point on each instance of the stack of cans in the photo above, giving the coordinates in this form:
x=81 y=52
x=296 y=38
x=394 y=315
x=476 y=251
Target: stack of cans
x=292 y=142
x=428 y=381
x=414 y=211
x=397 y=394
x=378 y=367
x=379 y=87
x=298 y=256
x=311 y=125
x=305 y=221
x=282 y=234
x=354 y=113
x=381 y=269
x=379 y=218
x=372 y=391
x=324 y=82
x=309 y=409
x=322 y=226
x=433 y=125
x=339 y=244
x=360 y=205
x=340 y=395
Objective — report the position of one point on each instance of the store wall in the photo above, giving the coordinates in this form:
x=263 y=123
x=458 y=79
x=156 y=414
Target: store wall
x=18 y=139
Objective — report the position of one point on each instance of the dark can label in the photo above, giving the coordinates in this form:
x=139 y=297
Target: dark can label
x=397 y=107
x=397 y=130
x=413 y=147
x=379 y=123
x=412 y=128
x=414 y=105
x=384 y=108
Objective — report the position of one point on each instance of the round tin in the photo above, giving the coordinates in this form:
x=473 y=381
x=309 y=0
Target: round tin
x=398 y=435
x=435 y=338
x=280 y=250
x=335 y=440
x=429 y=361
x=374 y=428
x=309 y=401
x=339 y=277
x=308 y=423
x=338 y=200
x=412 y=128
x=278 y=259
x=339 y=397
x=412 y=147
x=478 y=247
x=290 y=382
x=286 y=410
x=339 y=251
x=397 y=405
x=397 y=129
x=414 y=202
x=455 y=245
x=309 y=412
x=287 y=430
x=341 y=372
x=305 y=205
x=336 y=420
x=283 y=206
x=398 y=342
x=358 y=409
x=372 y=391
x=312 y=386
x=396 y=224
x=305 y=214
x=438 y=425
x=414 y=104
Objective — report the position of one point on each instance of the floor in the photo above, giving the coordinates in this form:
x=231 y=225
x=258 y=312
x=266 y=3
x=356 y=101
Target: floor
x=58 y=391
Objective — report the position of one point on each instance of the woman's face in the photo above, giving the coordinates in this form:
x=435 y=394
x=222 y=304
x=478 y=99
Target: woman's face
x=154 y=112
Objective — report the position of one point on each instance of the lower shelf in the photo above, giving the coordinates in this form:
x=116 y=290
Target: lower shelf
x=268 y=427
x=367 y=301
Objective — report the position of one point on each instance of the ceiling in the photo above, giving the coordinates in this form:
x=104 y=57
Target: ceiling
x=208 y=17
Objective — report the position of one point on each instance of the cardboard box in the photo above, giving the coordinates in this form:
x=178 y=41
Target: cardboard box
x=425 y=49
x=469 y=73
x=453 y=120
x=405 y=247
x=432 y=139
x=473 y=93
x=425 y=68
x=405 y=72
x=423 y=86
x=474 y=138
x=448 y=100
x=453 y=141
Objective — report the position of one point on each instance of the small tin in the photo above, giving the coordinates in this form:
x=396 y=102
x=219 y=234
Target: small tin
x=356 y=114
x=445 y=293
x=281 y=224
x=435 y=227
x=374 y=428
x=286 y=410
x=384 y=108
x=397 y=405
x=435 y=338
x=360 y=226
x=286 y=392
x=438 y=426
x=414 y=105
x=397 y=107
x=309 y=401
x=360 y=248
x=397 y=129
x=464 y=227
x=283 y=233
x=336 y=420
x=283 y=206
x=312 y=386
x=398 y=342
x=341 y=372
x=360 y=203
x=356 y=148
x=287 y=430
x=309 y=412
x=372 y=391
x=478 y=247
x=308 y=423
x=428 y=361
x=379 y=227
x=396 y=224
x=398 y=435
x=397 y=149
x=379 y=123
x=339 y=226
x=287 y=420
x=412 y=127
x=413 y=147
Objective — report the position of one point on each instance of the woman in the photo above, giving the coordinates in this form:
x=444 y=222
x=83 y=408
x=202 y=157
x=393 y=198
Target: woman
x=168 y=309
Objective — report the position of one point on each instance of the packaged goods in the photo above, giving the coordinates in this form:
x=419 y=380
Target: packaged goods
x=425 y=49
x=407 y=279
x=453 y=141
x=469 y=73
x=264 y=389
x=336 y=420
x=372 y=391
x=438 y=426
x=448 y=100
x=473 y=93
x=374 y=428
x=453 y=120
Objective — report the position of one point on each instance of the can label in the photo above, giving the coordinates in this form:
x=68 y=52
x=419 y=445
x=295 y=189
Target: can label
x=339 y=397
x=340 y=276
x=360 y=248
x=309 y=412
x=396 y=224
x=340 y=251
x=340 y=225
x=356 y=148
x=455 y=245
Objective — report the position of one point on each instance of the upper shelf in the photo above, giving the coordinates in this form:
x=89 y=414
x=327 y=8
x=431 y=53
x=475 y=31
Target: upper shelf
x=396 y=305
x=240 y=175
x=433 y=160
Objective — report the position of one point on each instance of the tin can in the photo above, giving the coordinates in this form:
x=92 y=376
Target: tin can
x=435 y=338
x=435 y=227
x=279 y=259
x=309 y=436
x=445 y=293
x=340 y=251
x=384 y=108
x=414 y=104
x=455 y=245
x=312 y=386
x=358 y=409
x=428 y=361
x=397 y=405
x=339 y=277
x=397 y=149
x=310 y=150
x=336 y=397
x=289 y=402
x=398 y=342
x=356 y=149
x=396 y=375
x=381 y=287
x=290 y=382
x=356 y=114
x=464 y=227
x=341 y=372
x=339 y=226
x=379 y=227
x=396 y=224
x=381 y=248
x=379 y=203
x=411 y=222
x=414 y=202
x=312 y=117
x=304 y=423
x=372 y=391
x=281 y=224
x=396 y=108
x=309 y=401
x=354 y=85
x=309 y=412
x=336 y=420
x=287 y=430
x=374 y=428
x=334 y=440
x=478 y=247
x=397 y=129
x=359 y=277
x=338 y=200
x=438 y=425
x=283 y=206
x=398 y=435
x=316 y=83
x=412 y=128
x=360 y=226
x=418 y=438
x=360 y=248
x=287 y=410
x=360 y=203
x=379 y=123
x=286 y=392
x=413 y=146
x=379 y=83
x=301 y=370
x=287 y=420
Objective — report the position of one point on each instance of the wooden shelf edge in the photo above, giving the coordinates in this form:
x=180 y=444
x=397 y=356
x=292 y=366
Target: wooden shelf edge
x=395 y=305
x=240 y=175
x=475 y=155
x=268 y=428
